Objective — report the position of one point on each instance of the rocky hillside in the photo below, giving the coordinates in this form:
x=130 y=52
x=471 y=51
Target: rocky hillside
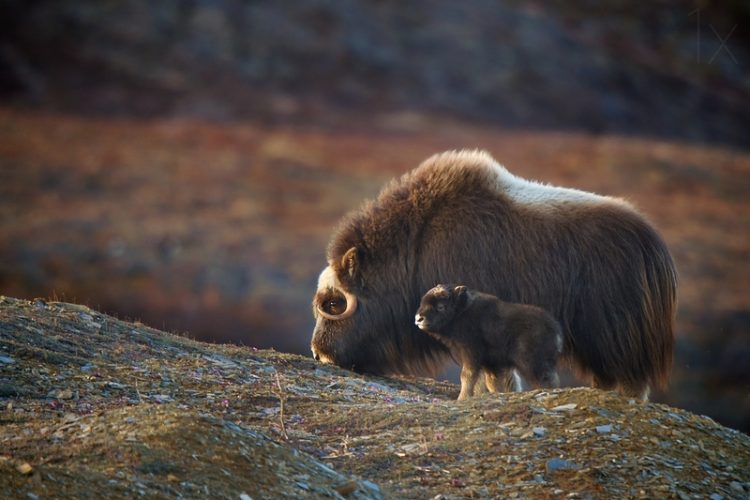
x=95 y=406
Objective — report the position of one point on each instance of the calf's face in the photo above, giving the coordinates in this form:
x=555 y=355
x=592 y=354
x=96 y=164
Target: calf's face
x=440 y=306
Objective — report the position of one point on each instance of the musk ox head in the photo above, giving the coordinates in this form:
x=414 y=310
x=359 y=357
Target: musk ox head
x=334 y=306
x=440 y=306
x=360 y=308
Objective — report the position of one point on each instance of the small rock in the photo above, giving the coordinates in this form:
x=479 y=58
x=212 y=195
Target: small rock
x=347 y=488
x=457 y=483
x=65 y=394
x=411 y=448
x=716 y=496
x=683 y=495
x=371 y=486
x=8 y=390
x=245 y=496
x=603 y=412
x=604 y=429
x=566 y=407
x=539 y=431
x=737 y=486
x=556 y=464
x=7 y=360
x=676 y=416
x=24 y=468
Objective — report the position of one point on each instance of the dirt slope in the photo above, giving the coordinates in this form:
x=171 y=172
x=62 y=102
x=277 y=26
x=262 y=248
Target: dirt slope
x=95 y=406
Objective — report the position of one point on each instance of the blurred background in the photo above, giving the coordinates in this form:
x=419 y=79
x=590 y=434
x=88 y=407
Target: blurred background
x=183 y=163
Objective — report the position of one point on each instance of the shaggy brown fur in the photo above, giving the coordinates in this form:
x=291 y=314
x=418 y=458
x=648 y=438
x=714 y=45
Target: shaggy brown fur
x=486 y=334
x=592 y=261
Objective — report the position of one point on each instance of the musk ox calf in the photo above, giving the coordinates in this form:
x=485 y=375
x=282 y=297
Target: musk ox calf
x=592 y=261
x=484 y=333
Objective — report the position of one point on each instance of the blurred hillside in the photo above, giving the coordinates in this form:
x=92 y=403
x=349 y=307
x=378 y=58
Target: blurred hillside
x=184 y=163
x=673 y=69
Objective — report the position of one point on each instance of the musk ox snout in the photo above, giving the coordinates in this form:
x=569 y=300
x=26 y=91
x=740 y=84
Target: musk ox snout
x=419 y=320
x=322 y=357
x=323 y=344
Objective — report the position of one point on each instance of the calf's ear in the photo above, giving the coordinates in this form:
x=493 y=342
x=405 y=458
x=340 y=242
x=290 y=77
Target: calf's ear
x=350 y=262
x=461 y=295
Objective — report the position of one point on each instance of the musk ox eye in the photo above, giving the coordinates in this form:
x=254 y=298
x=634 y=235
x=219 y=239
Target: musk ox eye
x=335 y=306
x=440 y=307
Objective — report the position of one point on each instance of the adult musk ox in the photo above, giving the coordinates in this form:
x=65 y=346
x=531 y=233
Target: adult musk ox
x=592 y=261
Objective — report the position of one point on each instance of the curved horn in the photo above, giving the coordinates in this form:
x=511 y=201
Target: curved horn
x=351 y=306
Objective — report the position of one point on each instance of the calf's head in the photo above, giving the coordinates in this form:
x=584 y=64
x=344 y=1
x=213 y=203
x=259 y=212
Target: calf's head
x=439 y=307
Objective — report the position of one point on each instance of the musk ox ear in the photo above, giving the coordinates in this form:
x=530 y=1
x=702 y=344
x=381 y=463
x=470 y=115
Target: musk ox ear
x=350 y=262
x=461 y=294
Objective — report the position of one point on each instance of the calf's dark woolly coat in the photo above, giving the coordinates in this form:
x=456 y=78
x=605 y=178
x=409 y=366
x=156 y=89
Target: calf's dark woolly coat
x=592 y=261
x=485 y=334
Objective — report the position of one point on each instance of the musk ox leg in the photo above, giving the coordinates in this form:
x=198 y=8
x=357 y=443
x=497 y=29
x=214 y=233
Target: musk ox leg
x=603 y=384
x=481 y=386
x=550 y=380
x=503 y=380
x=469 y=376
x=638 y=391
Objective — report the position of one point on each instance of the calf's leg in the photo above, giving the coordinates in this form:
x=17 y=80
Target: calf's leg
x=469 y=376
